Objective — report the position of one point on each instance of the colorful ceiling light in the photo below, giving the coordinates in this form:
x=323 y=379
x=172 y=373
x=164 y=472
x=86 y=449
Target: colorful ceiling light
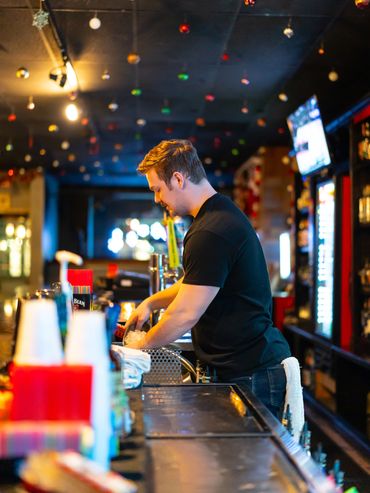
x=321 y=50
x=84 y=121
x=95 y=22
x=183 y=75
x=55 y=163
x=141 y=122
x=244 y=80
x=53 y=128
x=184 y=28
x=244 y=109
x=105 y=75
x=42 y=152
x=288 y=30
x=31 y=105
x=28 y=158
x=200 y=122
x=166 y=110
x=12 y=117
x=133 y=58
x=65 y=145
x=225 y=57
x=22 y=73
x=208 y=160
x=136 y=91
x=283 y=97
x=113 y=106
x=362 y=4
x=249 y=3
x=71 y=112
x=210 y=97
x=261 y=122
x=333 y=76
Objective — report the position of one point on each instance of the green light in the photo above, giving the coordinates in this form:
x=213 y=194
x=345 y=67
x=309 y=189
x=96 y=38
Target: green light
x=136 y=91
x=166 y=110
x=242 y=142
x=137 y=136
x=9 y=147
x=235 y=152
x=183 y=76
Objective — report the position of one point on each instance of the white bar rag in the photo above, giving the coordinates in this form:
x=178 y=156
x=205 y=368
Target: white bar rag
x=294 y=395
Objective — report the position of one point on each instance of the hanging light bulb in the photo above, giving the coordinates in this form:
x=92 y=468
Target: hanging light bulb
x=283 y=97
x=249 y=3
x=71 y=112
x=113 y=106
x=133 y=58
x=95 y=22
x=141 y=122
x=288 y=30
x=65 y=145
x=333 y=75
x=30 y=105
x=200 y=122
x=362 y=4
x=245 y=81
x=184 y=28
x=321 y=49
x=261 y=122
x=183 y=75
x=136 y=91
x=244 y=109
x=22 y=73
x=105 y=75
x=28 y=158
x=210 y=97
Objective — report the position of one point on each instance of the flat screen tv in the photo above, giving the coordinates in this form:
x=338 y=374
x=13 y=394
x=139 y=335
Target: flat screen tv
x=308 y=136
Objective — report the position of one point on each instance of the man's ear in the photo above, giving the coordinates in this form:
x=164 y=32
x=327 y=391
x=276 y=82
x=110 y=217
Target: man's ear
x=179 y=179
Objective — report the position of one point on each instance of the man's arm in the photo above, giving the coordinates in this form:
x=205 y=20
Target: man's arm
x=154 y=302
x=181 y=315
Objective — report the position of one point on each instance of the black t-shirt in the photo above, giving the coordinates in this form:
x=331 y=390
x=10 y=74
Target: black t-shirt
x=235 y=335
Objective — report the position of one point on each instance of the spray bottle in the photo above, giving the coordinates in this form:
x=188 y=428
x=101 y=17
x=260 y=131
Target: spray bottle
x=64 y=298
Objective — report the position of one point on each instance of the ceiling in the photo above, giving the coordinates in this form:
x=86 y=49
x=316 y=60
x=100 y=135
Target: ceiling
x=228 y=41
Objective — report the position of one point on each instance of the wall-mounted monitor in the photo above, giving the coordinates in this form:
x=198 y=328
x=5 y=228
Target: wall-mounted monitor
x=309 y=140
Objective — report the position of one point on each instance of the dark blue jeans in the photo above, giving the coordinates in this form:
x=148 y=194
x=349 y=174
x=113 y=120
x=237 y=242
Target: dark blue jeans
x=268 y=386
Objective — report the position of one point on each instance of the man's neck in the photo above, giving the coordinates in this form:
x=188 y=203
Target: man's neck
x=200 y=193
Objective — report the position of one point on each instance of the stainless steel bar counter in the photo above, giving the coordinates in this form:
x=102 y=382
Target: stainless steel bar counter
x=210 y=439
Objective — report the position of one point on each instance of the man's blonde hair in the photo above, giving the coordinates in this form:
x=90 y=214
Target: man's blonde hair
x=170 y=156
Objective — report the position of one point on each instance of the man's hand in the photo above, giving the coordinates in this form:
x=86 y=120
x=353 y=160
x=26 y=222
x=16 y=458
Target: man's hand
x=138 y=317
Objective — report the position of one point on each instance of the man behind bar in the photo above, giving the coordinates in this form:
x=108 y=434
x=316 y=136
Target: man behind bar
x=224 y=296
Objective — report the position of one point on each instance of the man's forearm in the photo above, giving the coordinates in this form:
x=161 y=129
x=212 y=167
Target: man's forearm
x=170 y=327
x=163 y=298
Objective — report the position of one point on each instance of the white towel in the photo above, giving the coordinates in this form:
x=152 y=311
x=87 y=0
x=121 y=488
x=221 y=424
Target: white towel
x=294 y=395
x=134 y=363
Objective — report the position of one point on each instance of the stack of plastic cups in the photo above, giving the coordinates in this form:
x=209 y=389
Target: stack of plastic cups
x=86 y=343
x=38 y=341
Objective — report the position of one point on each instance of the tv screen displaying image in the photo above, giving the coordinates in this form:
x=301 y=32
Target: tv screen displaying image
x=308 y=136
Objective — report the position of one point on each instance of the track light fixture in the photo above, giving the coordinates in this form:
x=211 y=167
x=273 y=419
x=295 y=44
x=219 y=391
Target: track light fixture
x=59 y=75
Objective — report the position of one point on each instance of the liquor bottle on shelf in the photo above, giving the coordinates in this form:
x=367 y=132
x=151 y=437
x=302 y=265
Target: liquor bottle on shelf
x=364 y=206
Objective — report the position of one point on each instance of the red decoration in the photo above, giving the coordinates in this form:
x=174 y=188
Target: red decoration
x=209 y=97
x=216 y=142
x=225 y=57
x=12 y=117
x=184 y=28
x=362 y=4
